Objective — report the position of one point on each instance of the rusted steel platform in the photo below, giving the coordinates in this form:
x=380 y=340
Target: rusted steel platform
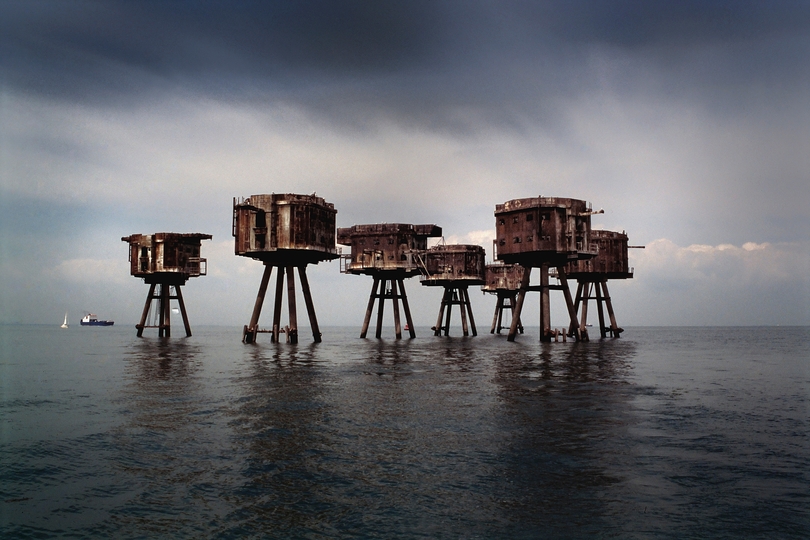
x=285 y=231
x=503 y=280
x=592 y=275
x=390 y=253
x=543 y=232
x=165 y=260
x=455 y=268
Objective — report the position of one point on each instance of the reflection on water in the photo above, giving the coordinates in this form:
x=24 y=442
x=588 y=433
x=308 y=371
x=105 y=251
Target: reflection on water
x=567 y=410
x=275 y=421
x=677 y=434
x=158 y=455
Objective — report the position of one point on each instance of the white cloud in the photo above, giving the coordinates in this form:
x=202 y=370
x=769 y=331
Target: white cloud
x=750 y=264
x=724 y=284
x=482 y=238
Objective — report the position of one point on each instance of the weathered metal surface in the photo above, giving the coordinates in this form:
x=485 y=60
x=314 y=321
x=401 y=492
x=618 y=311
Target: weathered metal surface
x=592 y=276
x=454 y=267
x=455 y=264
x=390 y=252
x=385 y=247
x=455 y=294
x=166 y=257
x=251 y=330
x=391 y=288
x=610 y=263
x=544 y=232
x=541 y=230
x=285 y=229
x=165 y=260
x=502 y=277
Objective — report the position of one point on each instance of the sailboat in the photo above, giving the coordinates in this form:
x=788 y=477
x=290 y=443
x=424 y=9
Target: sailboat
x=64 y=324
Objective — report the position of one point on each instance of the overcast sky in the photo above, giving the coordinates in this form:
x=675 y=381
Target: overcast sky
x=688 y=122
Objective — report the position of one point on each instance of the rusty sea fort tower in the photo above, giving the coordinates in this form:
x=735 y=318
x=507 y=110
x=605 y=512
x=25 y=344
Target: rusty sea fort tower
x=543 y=233
x=593 y=274
x=165 y=260
x=454 y=267
x=503 y=280
x=284 y=231
x=390 y=253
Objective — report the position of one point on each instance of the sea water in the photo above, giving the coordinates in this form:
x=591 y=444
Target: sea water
x=663 y=433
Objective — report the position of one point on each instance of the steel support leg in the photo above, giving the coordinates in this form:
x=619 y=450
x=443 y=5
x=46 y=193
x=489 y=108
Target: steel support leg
x=407 y=309
x=448 y=312
x=395 y=298
x=163 y=302
x=545 y=305
x=466 y=294
x=524 y=285
x=577 y=301
x=614 y=328
x=569 y=302
x=277 y=304
x=496 y=318
x=585 y=301
x=602 y=330
x=183 y=310
x=146 y=307
x=313 y=319
x=459 y=297
x=381 y=307
x=253 y=325
x=292 y=332
x=370 y=307
x=437 y=331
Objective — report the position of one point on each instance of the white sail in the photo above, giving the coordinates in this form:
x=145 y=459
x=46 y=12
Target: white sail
x=65 y=324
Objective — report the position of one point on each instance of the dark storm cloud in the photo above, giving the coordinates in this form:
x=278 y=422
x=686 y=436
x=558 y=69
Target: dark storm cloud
x=386 y=54
x=72 y=49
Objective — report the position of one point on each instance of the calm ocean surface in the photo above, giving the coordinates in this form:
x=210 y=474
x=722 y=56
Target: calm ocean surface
x=664 y=433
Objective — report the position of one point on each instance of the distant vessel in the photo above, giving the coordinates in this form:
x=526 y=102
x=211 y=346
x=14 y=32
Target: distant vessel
x=91 y=320
x=64 y=324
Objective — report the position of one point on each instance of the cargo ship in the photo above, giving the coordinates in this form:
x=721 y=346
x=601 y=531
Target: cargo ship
x=92 y=320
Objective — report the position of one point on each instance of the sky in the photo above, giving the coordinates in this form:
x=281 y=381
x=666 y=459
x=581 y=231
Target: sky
x=688 y=122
